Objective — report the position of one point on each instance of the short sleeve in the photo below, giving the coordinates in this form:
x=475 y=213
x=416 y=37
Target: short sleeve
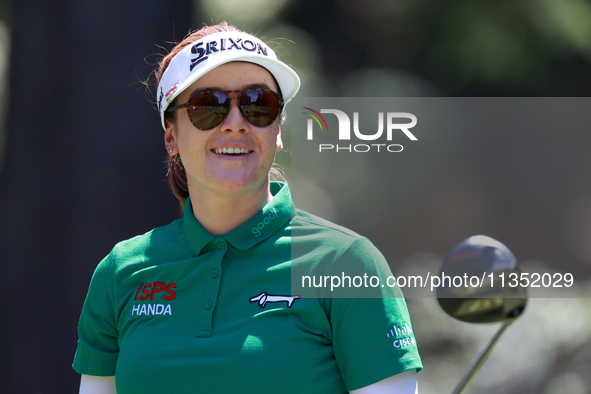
x=372 y=336
x=98 y=347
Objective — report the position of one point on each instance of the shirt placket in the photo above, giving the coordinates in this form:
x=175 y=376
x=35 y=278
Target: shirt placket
x=212 y=288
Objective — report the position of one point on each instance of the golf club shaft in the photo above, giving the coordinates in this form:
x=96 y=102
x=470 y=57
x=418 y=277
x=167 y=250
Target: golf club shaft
x=481 y=359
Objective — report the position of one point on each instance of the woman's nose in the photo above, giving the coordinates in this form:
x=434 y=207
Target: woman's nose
x=234 y=121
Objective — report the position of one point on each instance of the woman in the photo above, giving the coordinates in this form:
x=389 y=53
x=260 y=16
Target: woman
x=205 y=304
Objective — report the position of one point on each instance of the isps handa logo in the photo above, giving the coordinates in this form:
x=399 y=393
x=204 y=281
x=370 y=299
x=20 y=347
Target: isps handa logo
x=396 y=123
x=156 y=303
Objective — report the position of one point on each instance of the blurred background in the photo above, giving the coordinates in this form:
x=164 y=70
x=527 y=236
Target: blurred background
x=81 y=162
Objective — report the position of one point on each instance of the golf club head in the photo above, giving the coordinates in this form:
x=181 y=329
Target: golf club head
x=487 y=298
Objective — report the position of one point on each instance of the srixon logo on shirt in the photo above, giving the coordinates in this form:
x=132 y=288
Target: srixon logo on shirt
x=203 y=50
x=151 y=291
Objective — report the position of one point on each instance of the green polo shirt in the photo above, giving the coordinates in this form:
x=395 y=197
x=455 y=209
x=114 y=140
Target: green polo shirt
x=177 y=310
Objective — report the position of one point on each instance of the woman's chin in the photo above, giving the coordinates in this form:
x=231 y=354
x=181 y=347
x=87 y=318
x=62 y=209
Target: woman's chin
x=238 y=184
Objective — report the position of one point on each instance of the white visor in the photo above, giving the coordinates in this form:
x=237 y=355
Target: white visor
x=202 y=56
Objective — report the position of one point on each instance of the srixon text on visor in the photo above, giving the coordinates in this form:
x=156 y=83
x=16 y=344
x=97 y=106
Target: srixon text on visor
x=224 y=44
x=396 y=122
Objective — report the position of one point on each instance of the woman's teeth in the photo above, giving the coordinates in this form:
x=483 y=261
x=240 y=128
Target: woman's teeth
x=233 y=151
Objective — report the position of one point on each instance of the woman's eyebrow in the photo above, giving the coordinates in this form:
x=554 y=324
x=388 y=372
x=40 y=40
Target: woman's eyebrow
x=206 y=89
x=257 y=86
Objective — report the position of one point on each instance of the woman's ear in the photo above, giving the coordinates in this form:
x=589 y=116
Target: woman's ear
x=170 y=139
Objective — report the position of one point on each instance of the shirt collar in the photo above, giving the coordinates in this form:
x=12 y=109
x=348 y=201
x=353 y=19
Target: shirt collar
x=197 y=236
x=274 y=215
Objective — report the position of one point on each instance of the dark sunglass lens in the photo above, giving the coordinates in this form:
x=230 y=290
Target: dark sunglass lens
x=259 y=107
x=208 y=110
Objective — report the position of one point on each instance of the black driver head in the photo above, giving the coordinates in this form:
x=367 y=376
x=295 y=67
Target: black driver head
x=489 y=297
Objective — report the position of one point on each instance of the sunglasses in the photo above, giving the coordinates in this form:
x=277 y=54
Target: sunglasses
x=208 y=109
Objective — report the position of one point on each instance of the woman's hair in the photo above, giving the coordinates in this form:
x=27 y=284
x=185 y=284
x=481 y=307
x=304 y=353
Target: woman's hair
x=177 y=178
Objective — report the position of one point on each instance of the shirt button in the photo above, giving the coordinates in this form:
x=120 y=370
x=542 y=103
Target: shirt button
x=221 y=245
x=209 y=305
x=215 y=273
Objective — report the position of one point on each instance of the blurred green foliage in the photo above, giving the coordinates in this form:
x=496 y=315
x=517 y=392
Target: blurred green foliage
x=459 y=47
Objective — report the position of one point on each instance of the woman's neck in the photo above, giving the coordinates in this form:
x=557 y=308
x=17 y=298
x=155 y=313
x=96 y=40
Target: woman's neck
x=221 y=213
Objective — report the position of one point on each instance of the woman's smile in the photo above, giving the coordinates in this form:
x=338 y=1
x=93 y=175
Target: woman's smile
x=231 y=151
